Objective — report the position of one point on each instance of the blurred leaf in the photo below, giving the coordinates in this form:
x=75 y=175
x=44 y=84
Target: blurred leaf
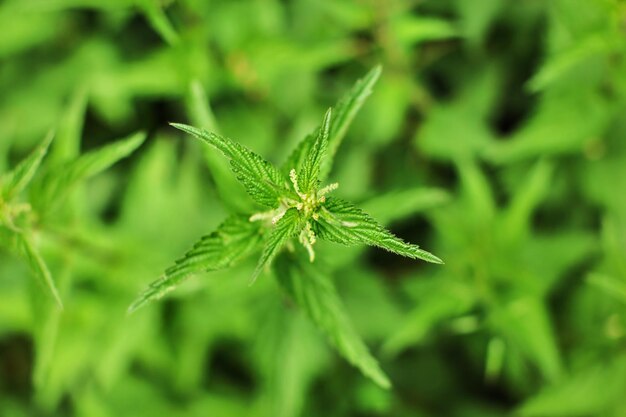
x=460 y=128
x=67 y=144
x=316 y=295
x=516 y=222
x=200 y=113
x=15 y=181
x=527 y=324
x=566 y=250
x=38 y=266
x=46 y=320
x=477 y=191
x=612 y=286
x=158 y=20
x=586 y=49
x=23 y=30
x=417 y=29
x=292 y=355
x=452 y=299
x=446 y=128
x=343 y=113
x=592 y=391
x=55 y=5
x=60 y=180
x=267 y=62
x=399 y=204
x=562 y=124
x=613 y=241
x=384 y=117
x=350 y=14
x=476 y=21
x=494 y=361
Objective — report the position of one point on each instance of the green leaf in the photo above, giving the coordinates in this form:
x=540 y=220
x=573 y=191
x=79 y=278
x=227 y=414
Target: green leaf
x=453 y=299
x=159 y=21
x=562 y=123
x=309 y=173
x=401 y=204
x=69 y=132
x=200 y=113
x=517 y=218
x=199 y=108
x=14 y=182
x=37 y=264
x=287 y=227
x=480 y=201
x=527 y=325
x=46 y=319
x=610 y=285
x=590 y=48
x=343 y=113
x=291 y=357
x=591 y=391
x=342 y=222
x=317 y=296
x=413 y=29
x=234 y=239
x=60 y=181
x=260 y=178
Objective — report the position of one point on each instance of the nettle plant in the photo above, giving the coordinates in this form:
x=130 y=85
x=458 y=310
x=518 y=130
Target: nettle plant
x=33 y=196
x=299 y=210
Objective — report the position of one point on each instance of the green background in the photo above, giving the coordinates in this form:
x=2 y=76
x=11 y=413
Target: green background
x=495 y=138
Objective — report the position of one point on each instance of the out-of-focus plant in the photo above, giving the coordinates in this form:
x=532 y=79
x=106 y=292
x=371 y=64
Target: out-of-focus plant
x=23 y=221
x=494 y=137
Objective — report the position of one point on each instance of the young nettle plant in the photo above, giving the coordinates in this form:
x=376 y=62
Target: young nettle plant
x=16 y=216
x=32 y=191
x=299 y=207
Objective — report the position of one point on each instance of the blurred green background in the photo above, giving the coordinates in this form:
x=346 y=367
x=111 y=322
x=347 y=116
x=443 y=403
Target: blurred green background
x=495 y=138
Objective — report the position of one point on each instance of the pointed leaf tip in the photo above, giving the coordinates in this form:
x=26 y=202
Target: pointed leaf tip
x=233 y=240
x=59 y=182
x=16 y=181
x=308 y=176
x=262 y=181
x=39 y=267
x=343 y=113
x=346 y=224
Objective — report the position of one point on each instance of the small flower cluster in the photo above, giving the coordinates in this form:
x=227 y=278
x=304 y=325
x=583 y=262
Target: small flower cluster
x=308 y=204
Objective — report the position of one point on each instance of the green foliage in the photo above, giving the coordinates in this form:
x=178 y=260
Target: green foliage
x=12 y=216
x=312 y=161
x=23 y=220
x=344 y=112
x=59 y=182
x=236 y=238
x=261 y=179
x=315 y=293
x=30 y=253
x=494 y=136
x=341 y=222
x=302 y=211
x=289 y=225
x=14 y=182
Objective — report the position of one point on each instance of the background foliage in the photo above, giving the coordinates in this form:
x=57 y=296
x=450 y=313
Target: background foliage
x=494 y=138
